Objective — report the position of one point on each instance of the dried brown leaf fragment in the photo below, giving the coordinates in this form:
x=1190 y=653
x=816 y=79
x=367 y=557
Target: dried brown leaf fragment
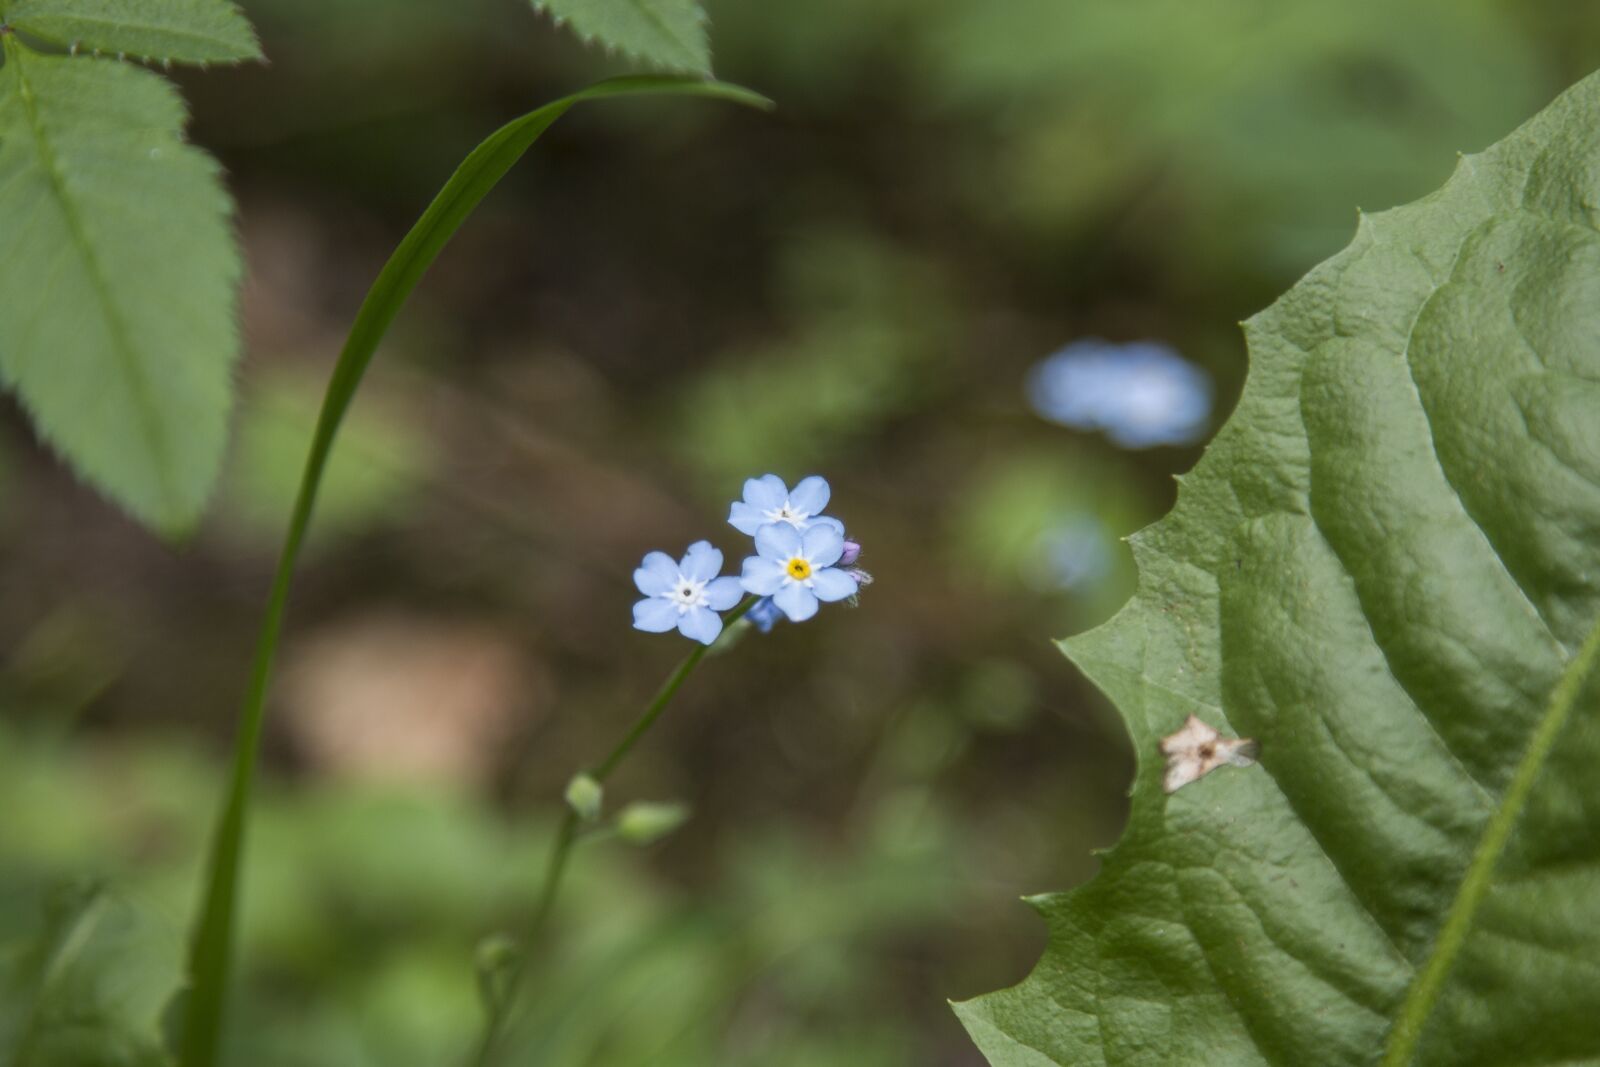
x=1195 y=749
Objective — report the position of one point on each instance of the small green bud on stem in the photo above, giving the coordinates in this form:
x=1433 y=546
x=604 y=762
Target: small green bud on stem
x=644 y=822
x=584 y=796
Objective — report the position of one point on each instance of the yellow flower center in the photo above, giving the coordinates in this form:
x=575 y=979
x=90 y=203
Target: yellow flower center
x=799 y=569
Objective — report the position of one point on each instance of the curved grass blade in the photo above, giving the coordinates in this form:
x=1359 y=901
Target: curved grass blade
x=209 y=961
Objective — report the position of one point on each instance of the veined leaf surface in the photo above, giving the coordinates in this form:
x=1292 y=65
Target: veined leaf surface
x=1386 y=569
x=119 y=270
x=668 y=34
x=183 y=31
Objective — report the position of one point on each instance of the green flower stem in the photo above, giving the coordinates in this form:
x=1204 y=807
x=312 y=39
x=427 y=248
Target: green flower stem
x=567 y=834
x=211 y=950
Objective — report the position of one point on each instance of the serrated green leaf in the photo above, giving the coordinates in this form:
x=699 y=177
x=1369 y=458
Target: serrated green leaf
x=1387 y=571
x=180 y=31
x=670 y=34
x=120 y=268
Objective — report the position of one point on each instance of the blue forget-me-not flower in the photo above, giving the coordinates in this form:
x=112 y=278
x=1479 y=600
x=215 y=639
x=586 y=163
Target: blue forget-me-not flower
x=796 y=569
x=685 y=595
x=1141 y=394
x=768 y=500
x=764 y=614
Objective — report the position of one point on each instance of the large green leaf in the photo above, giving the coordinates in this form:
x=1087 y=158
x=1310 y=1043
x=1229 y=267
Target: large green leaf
x=185 y=31
x=1387 y=570
x=669 y=34
x=120 y=267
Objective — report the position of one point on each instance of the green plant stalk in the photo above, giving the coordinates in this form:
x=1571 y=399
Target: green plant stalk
x=211 y=949
x=567 y=835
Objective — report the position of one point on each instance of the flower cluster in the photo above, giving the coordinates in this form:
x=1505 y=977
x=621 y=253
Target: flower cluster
x=802 y=561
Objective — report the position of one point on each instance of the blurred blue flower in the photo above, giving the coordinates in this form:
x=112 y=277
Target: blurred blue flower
x=1141 y=394
x=685 y=595
x=797 y=569
x=767 y=500
x=764 y=614
x=1074 y=554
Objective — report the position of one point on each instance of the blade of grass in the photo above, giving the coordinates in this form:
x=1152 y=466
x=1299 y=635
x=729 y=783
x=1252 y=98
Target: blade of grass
x=211 y=950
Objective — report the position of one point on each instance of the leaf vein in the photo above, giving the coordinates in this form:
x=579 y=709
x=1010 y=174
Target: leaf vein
x=1429 y=983
x=121 y=342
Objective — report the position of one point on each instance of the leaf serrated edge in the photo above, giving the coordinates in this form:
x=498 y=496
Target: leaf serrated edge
x=588 y=40
x=1079 y=648
x=172 y=508
x=74 y=44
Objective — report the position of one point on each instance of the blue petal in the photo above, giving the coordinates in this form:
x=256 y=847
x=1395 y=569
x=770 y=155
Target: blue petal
x=723 y=593
x=766 y=493
x=823 y=520
x=700 y=624
x=702 y=562
x=655 y=615
x=833 y=584
x=823 y=545
x=778 y=540
x=797 y=602
x=811 y=495
x=656 y=574
x=746 y=519
x=764 y=614
x=762 y=576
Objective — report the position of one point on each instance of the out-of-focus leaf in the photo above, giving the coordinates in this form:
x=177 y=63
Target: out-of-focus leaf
x=121 y=264
x=182 y=31
x=1051 y=525
x=384 y=456
x=669 y=34
x=870 y=344
x=1387 y=571
x=87 y=989
x=1243 y=128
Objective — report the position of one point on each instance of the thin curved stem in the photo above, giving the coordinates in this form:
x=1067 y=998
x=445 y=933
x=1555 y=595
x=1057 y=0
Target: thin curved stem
x=211 y=950
x=567 y=835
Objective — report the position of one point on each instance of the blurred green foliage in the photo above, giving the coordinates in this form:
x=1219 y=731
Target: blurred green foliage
x=365 y=901
x=1244 y=129
x=381 y=460
x=867 y=328
x=84 y=980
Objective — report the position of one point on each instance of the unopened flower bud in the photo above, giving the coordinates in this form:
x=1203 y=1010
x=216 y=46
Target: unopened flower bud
x=496 y=962
x=852 y=552
x=644 y=822
x=584 y=796
x=764 y=614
